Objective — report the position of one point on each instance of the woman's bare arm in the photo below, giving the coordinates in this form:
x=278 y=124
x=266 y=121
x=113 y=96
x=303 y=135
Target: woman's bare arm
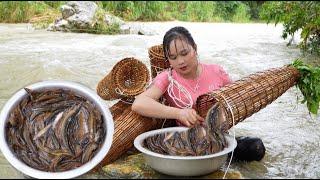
x=147 y=104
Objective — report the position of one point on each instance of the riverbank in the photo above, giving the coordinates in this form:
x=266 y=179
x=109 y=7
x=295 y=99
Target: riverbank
x=42 y=14
x=144 y=11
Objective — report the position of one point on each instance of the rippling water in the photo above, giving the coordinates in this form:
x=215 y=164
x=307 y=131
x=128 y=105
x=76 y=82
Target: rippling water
x=290 y=134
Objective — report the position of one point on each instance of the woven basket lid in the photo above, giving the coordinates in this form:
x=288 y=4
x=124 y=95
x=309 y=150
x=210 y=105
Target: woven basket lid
x=130 y=77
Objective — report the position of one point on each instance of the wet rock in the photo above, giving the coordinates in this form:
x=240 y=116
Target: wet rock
x=75 y=14
x=145 y=31
x=61 y=25
x=67 y=11
x=111 y=19
x=125 y=29
x=84 y=13
x=79 y=15
x=134 y=166
x=139 y=29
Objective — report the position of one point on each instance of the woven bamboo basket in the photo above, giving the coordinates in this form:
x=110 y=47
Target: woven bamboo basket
x=157 y=60
x=117 y=109
x=250 y=94
x=104 y=89
x=128 y=125
x=128 y=78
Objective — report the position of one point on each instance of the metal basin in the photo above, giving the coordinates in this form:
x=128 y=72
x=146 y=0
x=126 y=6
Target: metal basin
x=183 y=165
x=77 y=88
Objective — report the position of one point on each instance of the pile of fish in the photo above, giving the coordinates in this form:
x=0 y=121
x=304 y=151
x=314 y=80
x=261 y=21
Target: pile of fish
x=55 y=130
x=199 y=140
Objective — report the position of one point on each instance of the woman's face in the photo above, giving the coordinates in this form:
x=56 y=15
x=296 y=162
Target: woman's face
x=182 y=57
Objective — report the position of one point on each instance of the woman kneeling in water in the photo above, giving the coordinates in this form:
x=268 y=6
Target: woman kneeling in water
x=191 y=79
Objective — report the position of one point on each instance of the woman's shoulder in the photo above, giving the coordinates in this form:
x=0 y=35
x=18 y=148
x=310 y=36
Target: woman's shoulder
x=162 y=74
x=213 y=67
x=161 y=80
x=219 y=71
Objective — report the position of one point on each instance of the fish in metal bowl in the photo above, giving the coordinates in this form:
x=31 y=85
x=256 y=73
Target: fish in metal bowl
x=55 y=129
x=181 y=151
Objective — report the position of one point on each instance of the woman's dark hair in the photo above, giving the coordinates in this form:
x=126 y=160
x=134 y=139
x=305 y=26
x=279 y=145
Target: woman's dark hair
x=174 y=33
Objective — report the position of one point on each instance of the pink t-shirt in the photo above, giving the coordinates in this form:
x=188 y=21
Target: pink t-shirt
x=211 y=78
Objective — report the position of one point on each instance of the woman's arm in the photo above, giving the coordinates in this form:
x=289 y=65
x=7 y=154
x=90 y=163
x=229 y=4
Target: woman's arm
x=147 y=104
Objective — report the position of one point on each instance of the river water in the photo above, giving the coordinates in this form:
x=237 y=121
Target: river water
x=290 y=135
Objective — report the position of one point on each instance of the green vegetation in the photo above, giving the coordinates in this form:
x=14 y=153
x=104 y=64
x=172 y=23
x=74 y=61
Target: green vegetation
x=309 y=84
x=28 y=11
x=295 y=16
x=203 y=11
x=42 y=13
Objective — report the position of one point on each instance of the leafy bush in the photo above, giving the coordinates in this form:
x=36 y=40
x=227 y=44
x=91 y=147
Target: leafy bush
x=296 y=15
x=241 y=14
x=25 y=11
x=309 y=84
x=203 y=11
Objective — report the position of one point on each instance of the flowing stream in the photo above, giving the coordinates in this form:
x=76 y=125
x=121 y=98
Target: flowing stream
x=290 y=135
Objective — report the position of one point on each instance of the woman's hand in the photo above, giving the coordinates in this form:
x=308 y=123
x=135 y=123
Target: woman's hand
x=189 y=117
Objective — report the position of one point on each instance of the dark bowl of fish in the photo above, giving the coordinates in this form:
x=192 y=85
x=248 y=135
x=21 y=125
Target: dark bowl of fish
x=174 y=158
x=55 y=129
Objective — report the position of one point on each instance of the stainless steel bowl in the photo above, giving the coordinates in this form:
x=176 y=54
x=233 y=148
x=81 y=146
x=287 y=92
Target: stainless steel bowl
x=183 y=165
x=78 y=88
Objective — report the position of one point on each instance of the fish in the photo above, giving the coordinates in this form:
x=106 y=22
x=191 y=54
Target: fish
x=153 y=143
x=199 y=140
x=31 y=93
x=88 y=152
x=61 y=127
x=55 y=129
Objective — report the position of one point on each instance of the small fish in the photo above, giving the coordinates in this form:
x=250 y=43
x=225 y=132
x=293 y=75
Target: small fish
x=82 y=124
x=31 y=94
x=88 y=152
x=27 y=138
x=56 y=120
x=44 y=130
x=61 y=127
x=66 y=165
x=55 y=130
x=201 y=139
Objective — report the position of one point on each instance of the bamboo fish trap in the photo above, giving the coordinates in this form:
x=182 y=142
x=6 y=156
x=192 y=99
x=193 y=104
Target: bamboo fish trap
x=158 y=61
x=128 y=125
x=250 y=94
x=128 y=78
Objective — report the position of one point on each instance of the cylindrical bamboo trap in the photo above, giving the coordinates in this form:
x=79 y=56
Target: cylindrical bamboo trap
x=118 y=108
x=128 y=78
x=250 y=94
x=128 y=125
x=158 y=61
